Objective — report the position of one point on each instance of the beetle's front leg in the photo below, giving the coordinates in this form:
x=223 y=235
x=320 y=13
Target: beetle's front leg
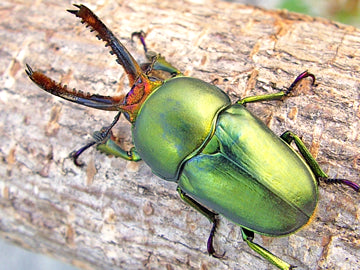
x=210 y=215
x=288 y=137
x=248 y=237
x=110 y=147
x=279 y=95
x=106 y=144
x=156 y=61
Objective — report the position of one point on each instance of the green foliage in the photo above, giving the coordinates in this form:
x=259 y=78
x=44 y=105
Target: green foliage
x=296 y=6
x=345 y=12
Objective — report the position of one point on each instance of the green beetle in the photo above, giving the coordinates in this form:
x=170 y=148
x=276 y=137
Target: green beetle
x=221 y=156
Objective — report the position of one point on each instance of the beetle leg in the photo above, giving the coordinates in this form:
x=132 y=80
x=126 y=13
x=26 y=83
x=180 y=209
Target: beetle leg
x=248 y=237
x=110 y=147
x=280 y=95
x=288 y=137
x=106 y=144
x=156 y=61
x=159 y=62
x=141 y=35
x=210 y=215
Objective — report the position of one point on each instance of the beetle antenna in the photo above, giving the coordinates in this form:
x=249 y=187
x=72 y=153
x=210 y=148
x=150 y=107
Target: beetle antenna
x=349 y=183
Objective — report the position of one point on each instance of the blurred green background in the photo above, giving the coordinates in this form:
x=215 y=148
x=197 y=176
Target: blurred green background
x=344 y=11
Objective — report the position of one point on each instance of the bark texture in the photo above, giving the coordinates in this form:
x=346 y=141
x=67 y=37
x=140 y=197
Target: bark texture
x=113 y=214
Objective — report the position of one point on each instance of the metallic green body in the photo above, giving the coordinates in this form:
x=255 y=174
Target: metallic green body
x=253 y=178
x=175 y=122
x=224 y=157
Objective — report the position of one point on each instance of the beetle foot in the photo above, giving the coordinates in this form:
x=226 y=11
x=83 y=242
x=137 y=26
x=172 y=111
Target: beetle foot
x=141 y=35
x=349 y=183
x=303 y=75
x=150 y=55
x=99 y=137
x=210 y=242
x=75 y=154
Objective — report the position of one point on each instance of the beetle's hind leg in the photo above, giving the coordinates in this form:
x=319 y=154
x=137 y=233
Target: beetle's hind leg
x=210 y=215
x=248 y=237
x=288 y=137
x=280 y=95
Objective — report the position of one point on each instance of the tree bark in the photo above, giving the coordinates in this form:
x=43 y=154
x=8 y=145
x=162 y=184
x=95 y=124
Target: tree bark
x=117 y=214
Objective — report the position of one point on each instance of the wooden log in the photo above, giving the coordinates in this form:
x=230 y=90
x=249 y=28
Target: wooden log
x=117 y=214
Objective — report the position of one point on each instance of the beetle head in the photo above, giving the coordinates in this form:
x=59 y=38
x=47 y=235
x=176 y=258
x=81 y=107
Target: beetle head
x=129 y=104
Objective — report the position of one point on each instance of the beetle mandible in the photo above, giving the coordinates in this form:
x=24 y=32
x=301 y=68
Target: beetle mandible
x=220 y=155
